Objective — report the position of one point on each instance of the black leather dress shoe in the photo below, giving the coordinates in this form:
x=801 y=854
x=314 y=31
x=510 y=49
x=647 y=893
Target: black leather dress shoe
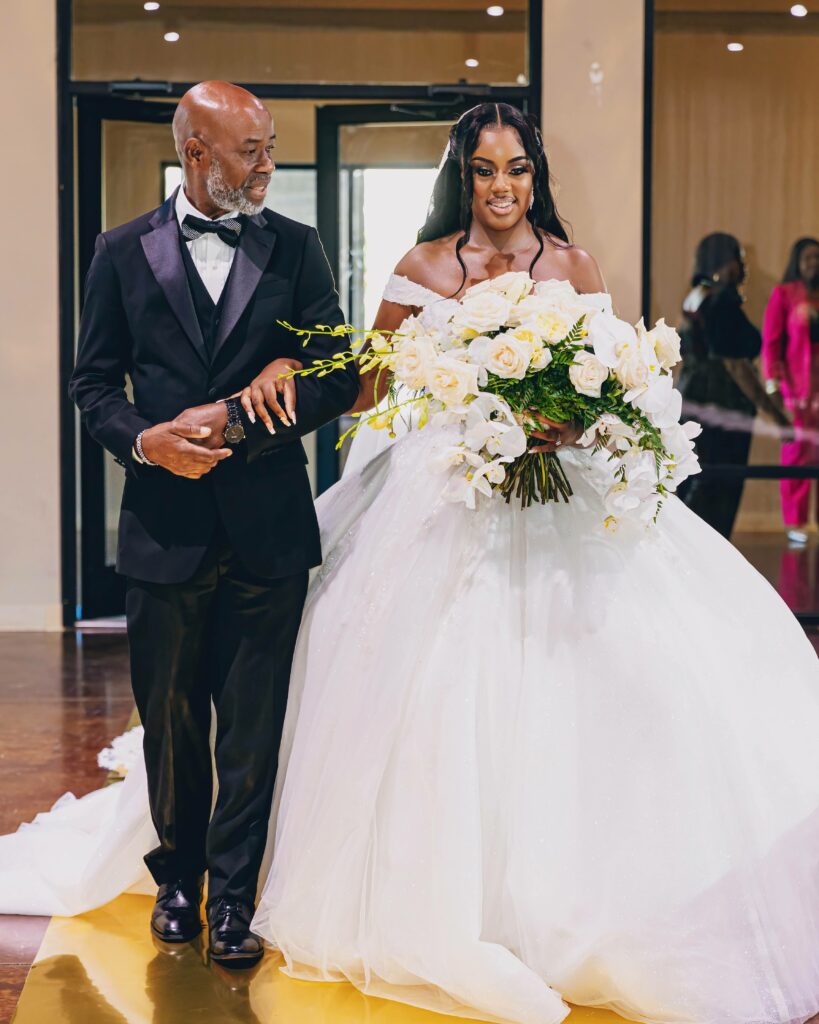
x=176 y=916
x=232 y=943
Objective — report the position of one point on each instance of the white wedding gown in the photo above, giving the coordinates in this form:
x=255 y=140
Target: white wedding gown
x=524 y=761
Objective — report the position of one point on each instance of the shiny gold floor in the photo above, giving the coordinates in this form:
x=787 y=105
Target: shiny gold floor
x=103 y=968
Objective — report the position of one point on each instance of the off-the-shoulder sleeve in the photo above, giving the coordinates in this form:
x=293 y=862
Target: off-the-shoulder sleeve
x=404 y=292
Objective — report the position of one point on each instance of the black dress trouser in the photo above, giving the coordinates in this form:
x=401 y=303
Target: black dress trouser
x=228 y=636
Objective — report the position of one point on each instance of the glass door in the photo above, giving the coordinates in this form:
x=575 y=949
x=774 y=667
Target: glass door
x=122 y=146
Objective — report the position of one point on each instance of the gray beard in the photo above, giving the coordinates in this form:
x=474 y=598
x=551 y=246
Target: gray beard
x=226 y=198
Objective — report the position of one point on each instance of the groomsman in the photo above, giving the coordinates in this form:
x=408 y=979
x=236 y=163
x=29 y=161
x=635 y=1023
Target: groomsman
x=217 y=528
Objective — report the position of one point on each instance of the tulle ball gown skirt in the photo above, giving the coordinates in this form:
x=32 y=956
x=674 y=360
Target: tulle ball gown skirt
x=528 y=761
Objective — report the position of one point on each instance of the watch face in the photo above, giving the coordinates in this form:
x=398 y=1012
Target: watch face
x=235 y=433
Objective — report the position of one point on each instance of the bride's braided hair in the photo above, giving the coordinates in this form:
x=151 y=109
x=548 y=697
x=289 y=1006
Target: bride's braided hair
x=450 y=208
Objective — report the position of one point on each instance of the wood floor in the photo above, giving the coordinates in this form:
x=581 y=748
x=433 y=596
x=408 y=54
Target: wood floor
x=63 y=697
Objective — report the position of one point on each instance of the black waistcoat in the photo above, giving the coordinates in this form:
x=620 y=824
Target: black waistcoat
x=208 y=312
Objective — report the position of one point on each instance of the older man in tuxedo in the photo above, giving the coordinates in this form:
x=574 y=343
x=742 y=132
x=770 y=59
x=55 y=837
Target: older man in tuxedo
x=217 y=528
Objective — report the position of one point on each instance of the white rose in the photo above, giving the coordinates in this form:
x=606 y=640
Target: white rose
x=587 y=374
x=451 y=380
x=666 y=343
x=558 y=293
x=486 y=311
x=411 y=362
x=437 y=315
x=411 y=328
x=631 y=370
x=512 y=285
x=539 y=354
x=503 y=355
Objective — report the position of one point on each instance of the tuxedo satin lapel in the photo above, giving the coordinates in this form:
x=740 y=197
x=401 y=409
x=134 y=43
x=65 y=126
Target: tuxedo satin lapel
x=161 y=247
x=252 y=256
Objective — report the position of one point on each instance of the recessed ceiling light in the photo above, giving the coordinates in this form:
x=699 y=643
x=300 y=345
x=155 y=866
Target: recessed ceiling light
x=471 y=62
x=151 y=5
x=799 y=10
x=495 y=11
x=736 y=47
x=171 y=37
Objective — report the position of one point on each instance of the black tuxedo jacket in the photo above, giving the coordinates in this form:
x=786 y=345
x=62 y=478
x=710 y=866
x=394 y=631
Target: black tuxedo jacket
x=139 y=320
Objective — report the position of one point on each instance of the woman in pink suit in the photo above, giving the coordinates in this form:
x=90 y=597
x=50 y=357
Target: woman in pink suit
x=790 y=354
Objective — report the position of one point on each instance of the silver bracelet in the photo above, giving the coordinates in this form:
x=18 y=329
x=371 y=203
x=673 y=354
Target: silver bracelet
x=140 y=453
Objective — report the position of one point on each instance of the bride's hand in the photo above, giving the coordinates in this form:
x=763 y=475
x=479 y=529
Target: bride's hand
x=263 y=391
x=555 y=435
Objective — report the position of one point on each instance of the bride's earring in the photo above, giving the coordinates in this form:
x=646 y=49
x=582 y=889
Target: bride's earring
x=532 y=199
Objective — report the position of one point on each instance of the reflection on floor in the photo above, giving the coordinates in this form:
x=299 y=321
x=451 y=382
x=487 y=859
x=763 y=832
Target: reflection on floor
x=103 y=968
x=793 y=570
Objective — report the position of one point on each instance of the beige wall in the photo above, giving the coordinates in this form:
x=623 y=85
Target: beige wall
x=593 y=125
x=30 y=509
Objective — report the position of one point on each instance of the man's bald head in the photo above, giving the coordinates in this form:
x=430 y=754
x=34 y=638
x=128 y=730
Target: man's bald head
x=224 y=137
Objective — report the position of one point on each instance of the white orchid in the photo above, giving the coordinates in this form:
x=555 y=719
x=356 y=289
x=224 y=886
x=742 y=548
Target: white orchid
x=682 y=461
x=499 y=439
x=659 y=400
x=666 y=343
x=455 y=455
x=610 y=338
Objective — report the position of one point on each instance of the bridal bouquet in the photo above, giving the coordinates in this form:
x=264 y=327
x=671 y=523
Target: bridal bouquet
x=513 y=349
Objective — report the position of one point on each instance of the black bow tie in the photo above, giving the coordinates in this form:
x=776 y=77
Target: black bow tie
x=227 y=230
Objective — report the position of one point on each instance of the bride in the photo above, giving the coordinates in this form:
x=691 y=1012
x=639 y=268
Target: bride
x=524 y=760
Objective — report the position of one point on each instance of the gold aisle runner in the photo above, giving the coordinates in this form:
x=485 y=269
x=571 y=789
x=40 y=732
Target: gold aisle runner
x=103 y=968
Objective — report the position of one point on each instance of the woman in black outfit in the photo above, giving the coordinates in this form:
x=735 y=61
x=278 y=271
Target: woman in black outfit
x=720 y=386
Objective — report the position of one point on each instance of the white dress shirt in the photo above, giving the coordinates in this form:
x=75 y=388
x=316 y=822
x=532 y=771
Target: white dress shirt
x=211 y=256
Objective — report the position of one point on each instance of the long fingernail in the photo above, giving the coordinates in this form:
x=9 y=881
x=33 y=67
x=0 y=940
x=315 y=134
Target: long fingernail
x=271 y=428
x=252 y=417
x=293 y=418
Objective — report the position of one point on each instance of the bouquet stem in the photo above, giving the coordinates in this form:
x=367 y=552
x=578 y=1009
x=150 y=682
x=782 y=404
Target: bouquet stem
x=536 y=476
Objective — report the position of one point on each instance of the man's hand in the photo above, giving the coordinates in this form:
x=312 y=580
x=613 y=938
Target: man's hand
x=180 y=446
x=263 y=393
x=214 y=417
x=555 y=435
